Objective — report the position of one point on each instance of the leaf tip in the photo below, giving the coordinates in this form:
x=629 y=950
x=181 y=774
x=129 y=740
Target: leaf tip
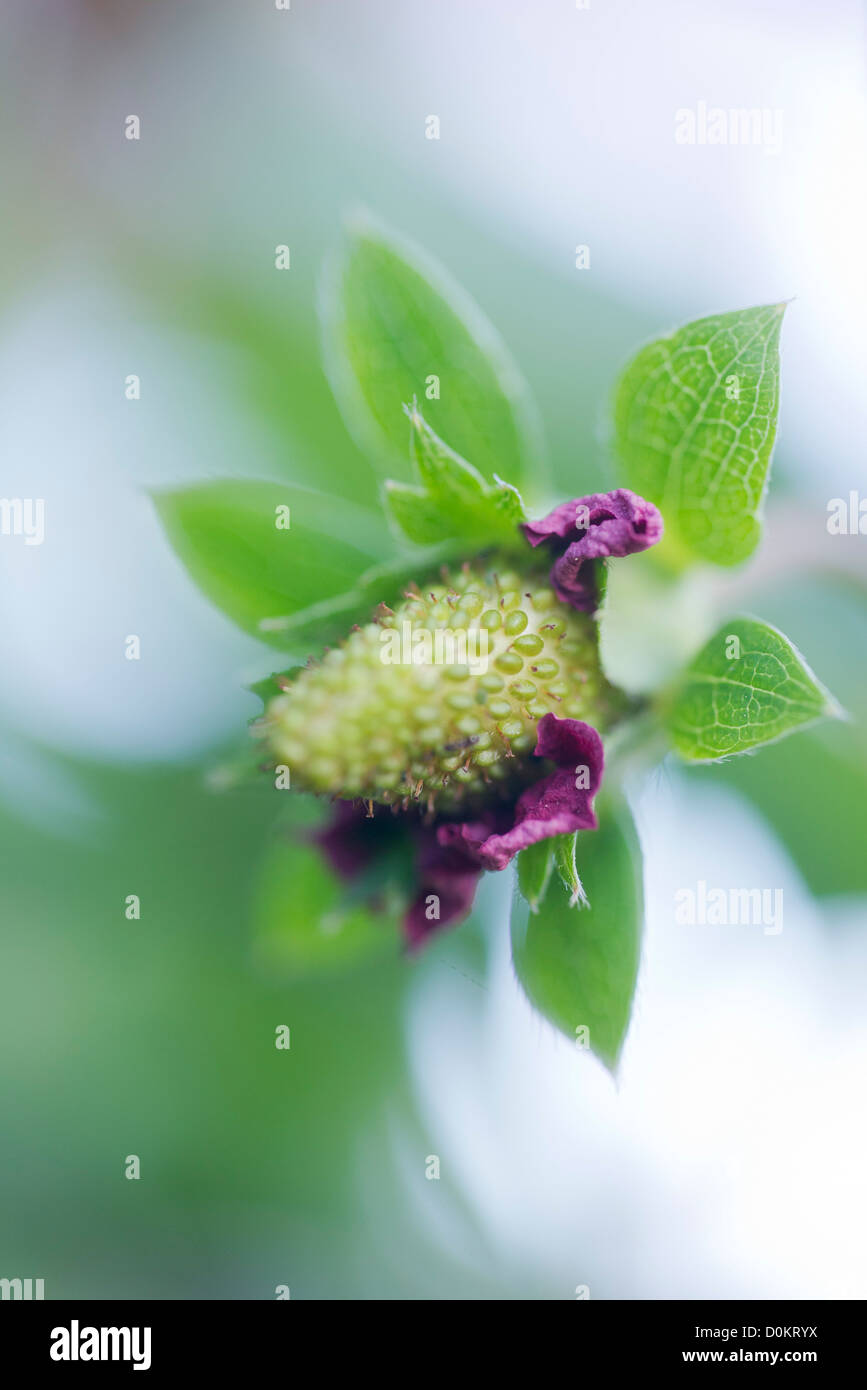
x=159 y=497
x=834 y=710
x=611 y=1065
x=358 y=221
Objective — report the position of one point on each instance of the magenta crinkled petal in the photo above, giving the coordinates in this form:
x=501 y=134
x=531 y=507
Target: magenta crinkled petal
x=591 y=528
x=446 y=872
x=351 y=841
x=558 y=804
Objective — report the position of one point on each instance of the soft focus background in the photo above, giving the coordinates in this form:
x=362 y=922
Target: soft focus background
x=728 y=1158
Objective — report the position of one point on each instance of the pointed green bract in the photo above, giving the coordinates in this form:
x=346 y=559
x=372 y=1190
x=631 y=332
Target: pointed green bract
x=453 y=483
x=269 y=686
x=695 y=421
x=442 y=472
x=452 y=499
x=748 y=686
x=395 y=328
x=565 y=860
x=578 y=965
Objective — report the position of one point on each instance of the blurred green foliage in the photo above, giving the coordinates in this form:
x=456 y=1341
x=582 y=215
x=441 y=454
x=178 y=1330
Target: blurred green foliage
x=156 y=1037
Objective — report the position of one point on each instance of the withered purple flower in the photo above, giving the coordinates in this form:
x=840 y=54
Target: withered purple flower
x=450 y=856
x=557 y=804
x=477 y=755
x=588 y=529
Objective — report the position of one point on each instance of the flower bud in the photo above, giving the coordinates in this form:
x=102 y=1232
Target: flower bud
x=439 y=699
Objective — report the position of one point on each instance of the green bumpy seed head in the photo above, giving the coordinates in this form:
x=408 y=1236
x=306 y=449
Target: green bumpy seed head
x=439 y=699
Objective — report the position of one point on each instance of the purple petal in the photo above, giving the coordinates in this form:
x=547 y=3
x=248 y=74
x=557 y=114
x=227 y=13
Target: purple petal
x=558 y=804
x=570 y=743
x=470 y=835
x=448 y=875
x=575 y=582
x=603 y=524
x=352 y=840
x=560 y=522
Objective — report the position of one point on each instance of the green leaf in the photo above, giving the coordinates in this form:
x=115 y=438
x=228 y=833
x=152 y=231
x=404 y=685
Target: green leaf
x=272 y=685
x=748 y=686
x=695 y=421
x=301 y=921
x=227 y=535
x=393 y=321
x=415 y=513
x=453 y=500
x=330 y=620
x=578 y=966
x=534 y=870
x=243 y=766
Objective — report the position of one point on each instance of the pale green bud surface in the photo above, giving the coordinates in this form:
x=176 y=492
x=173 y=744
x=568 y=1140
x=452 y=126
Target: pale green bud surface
x=439 y=699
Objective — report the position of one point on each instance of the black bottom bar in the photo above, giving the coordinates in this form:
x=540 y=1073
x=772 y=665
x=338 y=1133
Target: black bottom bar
x=161 y=1339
